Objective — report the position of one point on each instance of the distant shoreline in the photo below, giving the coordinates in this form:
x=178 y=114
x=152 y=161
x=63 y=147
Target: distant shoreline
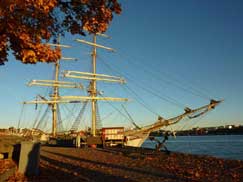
x=222 y=130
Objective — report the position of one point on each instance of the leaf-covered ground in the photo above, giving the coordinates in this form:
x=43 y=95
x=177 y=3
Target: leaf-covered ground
x=5 y=165
x=129 y=164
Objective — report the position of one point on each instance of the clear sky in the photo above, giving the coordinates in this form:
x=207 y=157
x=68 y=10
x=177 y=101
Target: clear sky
x=175 y=49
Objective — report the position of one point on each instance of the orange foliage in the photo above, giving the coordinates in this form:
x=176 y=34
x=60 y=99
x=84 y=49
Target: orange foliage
x=25 y=25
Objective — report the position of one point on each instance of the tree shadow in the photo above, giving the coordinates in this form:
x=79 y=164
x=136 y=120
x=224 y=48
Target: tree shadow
x=69 y=172
x=114 y=166
x=132 y=152
x=32 y=167
x=27 y=156
x=48 y=173
x=16 y=153
x=127 y=151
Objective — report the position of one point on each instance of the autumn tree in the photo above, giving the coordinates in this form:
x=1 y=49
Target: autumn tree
x=27 y=25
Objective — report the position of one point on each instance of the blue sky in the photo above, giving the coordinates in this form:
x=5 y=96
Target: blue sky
x=160 y=45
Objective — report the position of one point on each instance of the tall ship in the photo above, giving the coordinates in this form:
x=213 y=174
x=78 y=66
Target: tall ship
x=134 y=137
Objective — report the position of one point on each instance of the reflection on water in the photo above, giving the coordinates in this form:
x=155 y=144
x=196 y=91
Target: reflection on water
x=223 y=146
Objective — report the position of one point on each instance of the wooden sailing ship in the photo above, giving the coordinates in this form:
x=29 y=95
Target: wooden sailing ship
x=133 y=137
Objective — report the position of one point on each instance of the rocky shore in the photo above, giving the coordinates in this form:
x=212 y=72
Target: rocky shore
x=130 y=165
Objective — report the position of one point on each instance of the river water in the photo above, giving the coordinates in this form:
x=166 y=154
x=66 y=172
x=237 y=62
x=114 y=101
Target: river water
x=221 y=146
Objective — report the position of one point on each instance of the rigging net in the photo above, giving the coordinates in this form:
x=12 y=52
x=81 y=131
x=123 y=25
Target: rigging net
x=78 y=119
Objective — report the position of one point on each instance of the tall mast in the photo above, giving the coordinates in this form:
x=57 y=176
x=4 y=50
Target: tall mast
x=93 y=92
x=93 y=77
x=54 y=98
x=55 y=84
x=55 y=95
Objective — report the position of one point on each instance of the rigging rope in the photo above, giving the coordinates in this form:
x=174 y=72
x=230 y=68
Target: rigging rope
x=140 y=100
x=38 y=126
x=116 y=109
x=70 y=112
x=191 y=124
x=37 y=116
x=107 y=116
x=77 y=121
x=193 y=90
x=98 y=120
x=199 y=119
x=69 y=116
x=21 y=114
x=168 y=99
x=59 y=120
x=131 y=119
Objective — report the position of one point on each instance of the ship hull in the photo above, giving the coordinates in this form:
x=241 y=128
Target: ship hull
x=136 y=141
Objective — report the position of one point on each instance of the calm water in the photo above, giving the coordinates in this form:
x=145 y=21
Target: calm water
x=222 y=146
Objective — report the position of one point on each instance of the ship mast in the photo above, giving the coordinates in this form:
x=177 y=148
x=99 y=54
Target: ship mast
x=54 y=98
x=55 y=84
x=93 y=91
x=94 y=77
